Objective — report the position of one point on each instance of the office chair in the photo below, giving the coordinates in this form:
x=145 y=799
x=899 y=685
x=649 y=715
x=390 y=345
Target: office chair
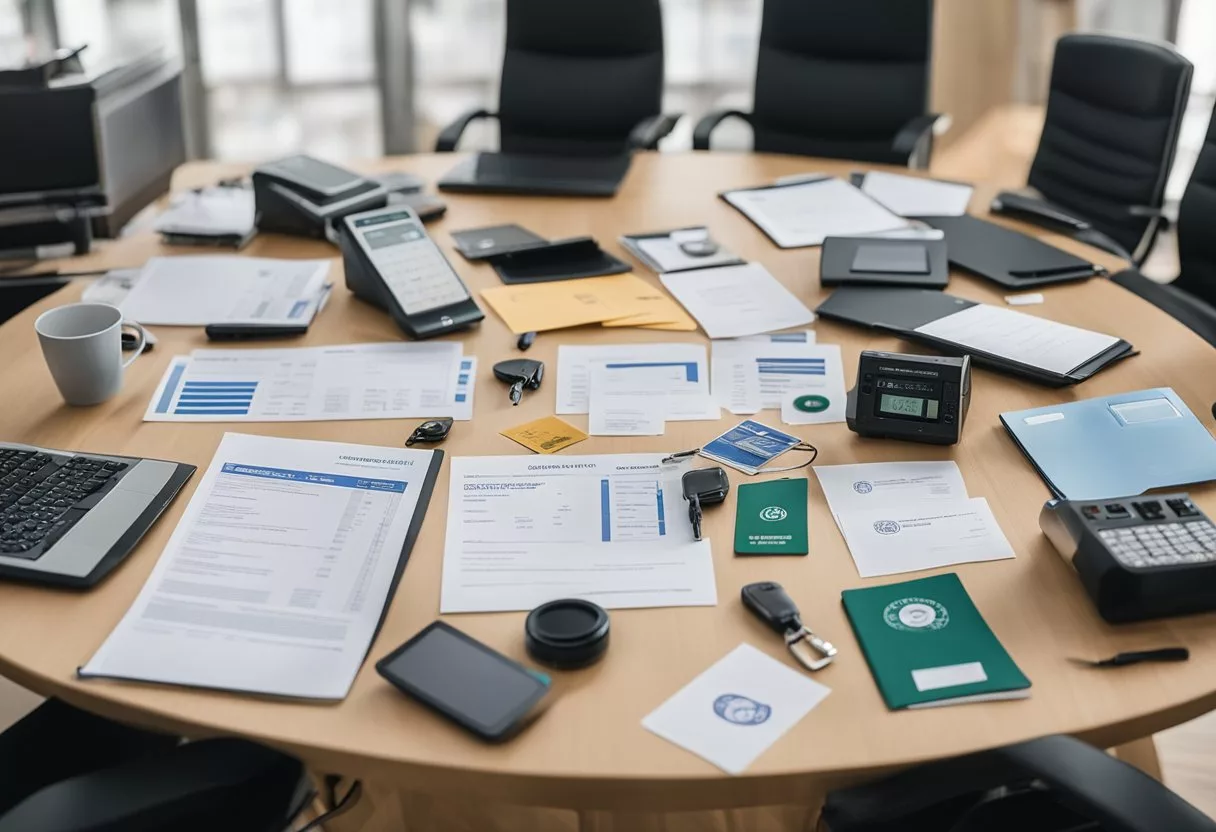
x=578 y=79
x=69 y=771
x=846 y=80
x=1113 y=113
x=1053 y=784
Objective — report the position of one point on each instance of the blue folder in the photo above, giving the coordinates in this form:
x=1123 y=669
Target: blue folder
x=1115 y=446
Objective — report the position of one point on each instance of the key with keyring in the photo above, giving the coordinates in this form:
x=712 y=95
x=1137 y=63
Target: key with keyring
x=769 y=602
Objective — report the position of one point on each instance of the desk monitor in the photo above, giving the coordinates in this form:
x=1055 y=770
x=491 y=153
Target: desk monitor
x=508 y=173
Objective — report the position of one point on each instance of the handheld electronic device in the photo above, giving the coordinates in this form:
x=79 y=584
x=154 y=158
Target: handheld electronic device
x=1143 y=557
x=391 y=262
x=460 y=678
x=522 y=374
x=920 y=398
x=305 y=196
x=703 y=487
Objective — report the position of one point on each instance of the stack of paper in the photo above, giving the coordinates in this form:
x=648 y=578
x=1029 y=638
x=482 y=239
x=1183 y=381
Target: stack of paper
x=906 y=516
x=353 y=381
x=731 y=301
x=683 y=367
x=220 y=215
x=222 y=288
x=803 y=213
x=616 y=300
x=803 y=379
x=917 y=196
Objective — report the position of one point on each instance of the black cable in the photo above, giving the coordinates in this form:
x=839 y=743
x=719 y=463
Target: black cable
x=336 y=807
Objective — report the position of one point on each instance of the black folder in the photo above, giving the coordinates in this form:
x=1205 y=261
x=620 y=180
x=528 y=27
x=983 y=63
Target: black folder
x=902 y=311
x=1007 y=257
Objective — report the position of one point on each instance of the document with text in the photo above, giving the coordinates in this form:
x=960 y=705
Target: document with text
x=276 y=578
x=688 y=396
x=613 y=529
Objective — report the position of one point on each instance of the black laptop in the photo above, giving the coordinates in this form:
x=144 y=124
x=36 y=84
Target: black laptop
x=513 y=173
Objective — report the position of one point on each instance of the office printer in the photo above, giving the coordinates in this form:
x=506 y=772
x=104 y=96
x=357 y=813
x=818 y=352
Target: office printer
x=304 y=196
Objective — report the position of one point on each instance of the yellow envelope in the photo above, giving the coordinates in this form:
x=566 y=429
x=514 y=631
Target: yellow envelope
x=662 y=312
x=536 y=307
x=545 y=436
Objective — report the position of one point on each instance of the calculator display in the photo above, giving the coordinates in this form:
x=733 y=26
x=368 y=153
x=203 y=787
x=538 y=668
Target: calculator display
x=909 y=399
x=411 y=265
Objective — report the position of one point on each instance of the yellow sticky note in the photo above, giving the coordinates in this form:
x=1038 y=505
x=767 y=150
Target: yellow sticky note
x=536 y=307
x=545 y=436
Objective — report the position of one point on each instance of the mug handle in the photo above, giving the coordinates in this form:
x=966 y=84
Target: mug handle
x=139 y=348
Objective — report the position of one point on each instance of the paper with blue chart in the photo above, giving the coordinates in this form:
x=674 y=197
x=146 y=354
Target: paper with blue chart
x=688 y=398
x=733 y=712
x=613 y=529
x=803 y=379
x=353 y=381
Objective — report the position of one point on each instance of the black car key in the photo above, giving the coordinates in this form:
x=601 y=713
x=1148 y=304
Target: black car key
x=703 y=487
x=769 y=602
x=522 y=374
x=432 y=430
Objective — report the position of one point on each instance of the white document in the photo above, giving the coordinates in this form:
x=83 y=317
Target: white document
x=803 y=214
x=809 y=394
x=916 y=196
x=629 y=402
x=688 y=397
x=275 y=579
x=1014 y=335
x=908 y=537
x=221 y=288
x=733 y=712
x=801 y=336
x=731 y=301
x=753 y=375
x=885 y=485
x=614 y=529
x=309 y=384
x=664 y=252
x=209 y=212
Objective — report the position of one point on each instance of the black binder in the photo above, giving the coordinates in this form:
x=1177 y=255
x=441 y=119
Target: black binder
x=901 y=311
x=1006 y=257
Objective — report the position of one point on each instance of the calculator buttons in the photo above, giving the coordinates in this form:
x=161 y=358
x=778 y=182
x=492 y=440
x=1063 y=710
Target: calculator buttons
x=1149 y=510
x=1166 y=544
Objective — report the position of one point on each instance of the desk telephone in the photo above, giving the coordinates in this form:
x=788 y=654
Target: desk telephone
x=391 y=262
x=305 y=196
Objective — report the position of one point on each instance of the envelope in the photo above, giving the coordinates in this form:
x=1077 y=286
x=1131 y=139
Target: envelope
x=537 y=307
x=662 y=312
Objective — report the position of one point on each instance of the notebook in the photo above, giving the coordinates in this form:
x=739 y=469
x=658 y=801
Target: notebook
x=927 y=645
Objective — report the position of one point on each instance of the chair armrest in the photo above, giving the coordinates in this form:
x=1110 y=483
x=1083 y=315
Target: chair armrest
x=1038 y=211
x=215 y=781
x=700 y=134
x=450 y=135
x=914 y=141
x=649 y=131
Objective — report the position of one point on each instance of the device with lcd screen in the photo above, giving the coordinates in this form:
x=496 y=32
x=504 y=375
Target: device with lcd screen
x=471 y=684
x=391 y=262
x=920 y=398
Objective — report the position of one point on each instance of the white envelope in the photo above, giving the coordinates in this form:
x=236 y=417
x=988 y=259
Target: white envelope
x=888 y=484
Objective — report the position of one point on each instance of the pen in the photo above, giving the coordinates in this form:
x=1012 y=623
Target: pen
x=525 y=341
x=680 y=455
x=1164 y=654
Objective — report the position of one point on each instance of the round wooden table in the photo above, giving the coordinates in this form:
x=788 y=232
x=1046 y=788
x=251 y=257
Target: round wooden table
x=589 y=751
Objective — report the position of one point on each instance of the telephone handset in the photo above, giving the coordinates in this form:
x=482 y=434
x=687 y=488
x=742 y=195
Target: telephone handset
x=392 y=263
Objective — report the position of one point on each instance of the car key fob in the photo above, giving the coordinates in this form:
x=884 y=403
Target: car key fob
x=522 y=374
x=769 y=602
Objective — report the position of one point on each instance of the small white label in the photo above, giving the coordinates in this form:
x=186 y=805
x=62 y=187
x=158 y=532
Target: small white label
x=1043 y=418
x=1146 y=410
x=1024 y=300
x=948 y=676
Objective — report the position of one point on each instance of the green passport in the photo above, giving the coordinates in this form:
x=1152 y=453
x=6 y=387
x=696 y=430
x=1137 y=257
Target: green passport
x=928 y=645
x=770 y=518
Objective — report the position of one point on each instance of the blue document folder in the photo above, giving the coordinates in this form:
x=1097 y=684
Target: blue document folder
x=1115 y=446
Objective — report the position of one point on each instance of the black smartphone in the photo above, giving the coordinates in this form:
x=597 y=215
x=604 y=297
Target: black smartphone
x=471 y=684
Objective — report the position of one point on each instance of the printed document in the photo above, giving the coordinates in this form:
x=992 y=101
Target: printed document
x=223 y=288
x=731 y=301
x=1016 y=336
x=907 y=537
x=688 y=397
x=804 y=214
x=753 y=375
x=523 y=530
x=885 y=485
x=276 y=577
x=630 y=402
x=394 y=380
x=917 y=196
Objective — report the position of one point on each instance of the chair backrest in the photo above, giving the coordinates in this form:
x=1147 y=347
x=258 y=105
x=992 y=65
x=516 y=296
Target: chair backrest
x=1196 y=219
x=840 y=79
x=1113 y=113
x=578 y=76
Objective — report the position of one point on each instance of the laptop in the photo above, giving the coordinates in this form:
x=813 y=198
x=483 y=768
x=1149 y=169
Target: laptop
x=527 y=174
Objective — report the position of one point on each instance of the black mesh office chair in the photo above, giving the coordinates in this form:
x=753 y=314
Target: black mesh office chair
x=64 y=770
x=1113 y=114
x=846 y=80
x=578 y=79
x=1054 y=784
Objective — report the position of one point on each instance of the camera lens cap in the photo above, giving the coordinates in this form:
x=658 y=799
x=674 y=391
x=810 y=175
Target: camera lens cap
x=567 y=634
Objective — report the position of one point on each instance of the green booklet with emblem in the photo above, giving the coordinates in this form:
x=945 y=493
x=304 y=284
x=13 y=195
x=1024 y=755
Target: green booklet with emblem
x=770 y=518
x=928 y=645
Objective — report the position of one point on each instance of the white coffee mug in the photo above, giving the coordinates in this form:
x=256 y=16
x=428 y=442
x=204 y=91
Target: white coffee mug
x=82 y=344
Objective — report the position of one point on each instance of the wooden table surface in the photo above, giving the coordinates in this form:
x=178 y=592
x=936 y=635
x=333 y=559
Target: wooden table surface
x=590 y=750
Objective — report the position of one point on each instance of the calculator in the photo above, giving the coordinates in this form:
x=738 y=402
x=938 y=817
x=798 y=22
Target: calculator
x=391 y=262
x=1143 y=557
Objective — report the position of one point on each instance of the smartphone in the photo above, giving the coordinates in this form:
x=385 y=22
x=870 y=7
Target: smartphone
x=471 y=684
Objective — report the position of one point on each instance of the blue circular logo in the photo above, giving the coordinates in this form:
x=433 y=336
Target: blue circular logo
x=740 y=710
x=863 y=487
x=886 y=527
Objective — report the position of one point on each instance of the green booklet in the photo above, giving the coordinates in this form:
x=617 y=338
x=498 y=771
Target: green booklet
x=928 y=645
x=770 y=518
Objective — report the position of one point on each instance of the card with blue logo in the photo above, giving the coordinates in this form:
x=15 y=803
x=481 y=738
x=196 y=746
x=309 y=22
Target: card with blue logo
x=749 y=446
x=732 y=713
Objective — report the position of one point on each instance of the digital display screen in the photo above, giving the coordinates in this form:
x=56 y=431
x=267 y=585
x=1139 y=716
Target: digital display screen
x=394 y=235
x=465 y=678
x=909 y=406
